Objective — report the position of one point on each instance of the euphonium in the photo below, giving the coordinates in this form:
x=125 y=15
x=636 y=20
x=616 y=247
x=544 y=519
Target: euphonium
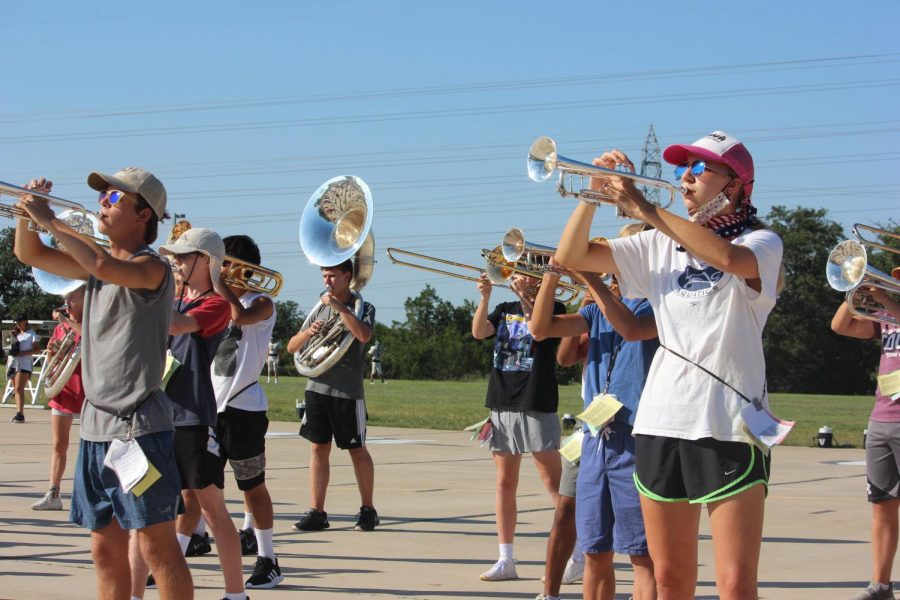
x=849 y=270
x=61 y=364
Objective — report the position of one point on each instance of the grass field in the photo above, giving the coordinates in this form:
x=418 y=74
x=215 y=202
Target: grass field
x=457 y=404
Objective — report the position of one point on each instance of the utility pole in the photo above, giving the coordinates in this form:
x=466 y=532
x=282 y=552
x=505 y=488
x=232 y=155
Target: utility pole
x=651 y=166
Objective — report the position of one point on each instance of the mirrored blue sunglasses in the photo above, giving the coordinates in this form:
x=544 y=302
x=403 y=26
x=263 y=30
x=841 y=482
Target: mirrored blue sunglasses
x=111 y=196
x=697 y=168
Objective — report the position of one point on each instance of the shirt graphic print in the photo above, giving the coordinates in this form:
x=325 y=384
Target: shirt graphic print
x=514 y=347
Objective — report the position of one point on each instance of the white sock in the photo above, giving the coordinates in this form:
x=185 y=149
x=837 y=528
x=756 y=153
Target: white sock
x=183 y=541
x=506 y=552
x=237 y=596
x=264 y=542
x=248 y=521
x=201 y=527
x=136 y=598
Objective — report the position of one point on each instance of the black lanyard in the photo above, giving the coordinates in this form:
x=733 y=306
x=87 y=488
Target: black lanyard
x=714 y=376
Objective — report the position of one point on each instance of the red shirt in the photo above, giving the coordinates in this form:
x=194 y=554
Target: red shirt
x=71 y=397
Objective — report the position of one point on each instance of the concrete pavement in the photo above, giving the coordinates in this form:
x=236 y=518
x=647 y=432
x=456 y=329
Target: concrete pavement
x=434 y=495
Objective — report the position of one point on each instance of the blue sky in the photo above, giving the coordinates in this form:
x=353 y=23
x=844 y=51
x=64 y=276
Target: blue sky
x=244 y=108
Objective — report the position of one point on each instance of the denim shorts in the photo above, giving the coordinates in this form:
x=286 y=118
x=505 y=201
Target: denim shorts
x=97 y=496
x=608 y=511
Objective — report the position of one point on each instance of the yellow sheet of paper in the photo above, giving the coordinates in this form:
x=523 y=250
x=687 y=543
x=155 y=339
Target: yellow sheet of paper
x=889 y=384
x=172 y=365
x=600 y=411
x=571 y=446
x=149 y=479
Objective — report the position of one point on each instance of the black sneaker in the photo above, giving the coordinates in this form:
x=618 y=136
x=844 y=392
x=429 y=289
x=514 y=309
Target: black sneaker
x=266 y=574
x=199 y=545
x=366 y=519
x=313 y=520
x=249 y=547
x=18 y=418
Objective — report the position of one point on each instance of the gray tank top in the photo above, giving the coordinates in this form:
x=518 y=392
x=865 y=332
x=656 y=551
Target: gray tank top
x=123 y=357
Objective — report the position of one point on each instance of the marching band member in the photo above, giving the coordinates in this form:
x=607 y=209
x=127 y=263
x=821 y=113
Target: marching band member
x=335 y=403
x=712 y=282
x=127 y=310
x=241 y=423
x=25 y=344
x=523 y=398
x=882 y=442
x=621 y=344
x=199 y=319
x=67 y=403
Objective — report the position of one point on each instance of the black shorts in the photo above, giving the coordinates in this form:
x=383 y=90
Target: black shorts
x=328 y=417
x=13 y=370
x=198 y=457
x=242 y=441
x=696 y=471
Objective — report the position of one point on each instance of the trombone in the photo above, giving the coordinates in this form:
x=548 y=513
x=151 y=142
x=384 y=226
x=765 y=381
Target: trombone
x=849 y=270
x=73 y=214
x=239 y=273
x=543 y=160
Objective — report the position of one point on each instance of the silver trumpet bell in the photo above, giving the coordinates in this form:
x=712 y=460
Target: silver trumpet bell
x=543 y=159
x=86 y=223
x=849 y=270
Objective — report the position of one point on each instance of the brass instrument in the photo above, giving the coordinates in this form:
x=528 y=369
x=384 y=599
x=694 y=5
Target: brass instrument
x=239 y=273
x=848 y=270
x=61 y=364
x=336 y=226
x=498 y=270
x=543 y=160
x=73 y=214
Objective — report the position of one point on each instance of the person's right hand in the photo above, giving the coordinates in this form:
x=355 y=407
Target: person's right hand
x=317 y=326
x=484 y=285
x=37 y=208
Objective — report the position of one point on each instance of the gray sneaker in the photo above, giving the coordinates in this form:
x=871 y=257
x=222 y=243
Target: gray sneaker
x=48 y=502
x=873 y=593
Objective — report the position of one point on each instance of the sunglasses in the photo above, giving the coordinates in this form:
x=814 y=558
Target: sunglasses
x=111 y=196
x=184 y=257
x=697 y=168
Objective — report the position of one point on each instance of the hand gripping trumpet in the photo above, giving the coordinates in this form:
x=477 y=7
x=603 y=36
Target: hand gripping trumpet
x=849 y=270
x=543 y=160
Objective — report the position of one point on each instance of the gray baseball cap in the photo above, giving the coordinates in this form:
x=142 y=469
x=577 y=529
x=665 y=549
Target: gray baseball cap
x=136 y=181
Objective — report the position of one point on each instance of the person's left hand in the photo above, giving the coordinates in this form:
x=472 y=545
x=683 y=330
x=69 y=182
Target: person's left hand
x=621 y=190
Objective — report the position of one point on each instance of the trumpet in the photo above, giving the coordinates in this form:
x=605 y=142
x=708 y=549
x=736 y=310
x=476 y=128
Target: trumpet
x=239 y=273
x=543 y=160
x=74 y=215
x=535 y=266
x=849 y=270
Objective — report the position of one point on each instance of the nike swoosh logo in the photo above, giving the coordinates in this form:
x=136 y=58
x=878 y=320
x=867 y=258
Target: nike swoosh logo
x=730 y=472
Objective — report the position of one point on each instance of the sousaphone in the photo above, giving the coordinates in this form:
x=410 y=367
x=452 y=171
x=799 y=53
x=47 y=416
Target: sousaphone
x=335 y=226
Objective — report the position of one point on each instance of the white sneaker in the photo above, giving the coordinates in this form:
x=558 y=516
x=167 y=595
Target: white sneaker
x=573 y=573
x=48 y=502
x=503 y=570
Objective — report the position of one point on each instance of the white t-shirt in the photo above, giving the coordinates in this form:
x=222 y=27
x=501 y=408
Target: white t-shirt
x=27 y=340
x=239 y=360
x=710 y=317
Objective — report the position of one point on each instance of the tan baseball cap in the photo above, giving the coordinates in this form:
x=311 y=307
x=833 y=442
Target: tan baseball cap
x=135 y=181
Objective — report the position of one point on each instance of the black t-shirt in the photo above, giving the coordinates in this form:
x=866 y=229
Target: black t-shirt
x=523 y=376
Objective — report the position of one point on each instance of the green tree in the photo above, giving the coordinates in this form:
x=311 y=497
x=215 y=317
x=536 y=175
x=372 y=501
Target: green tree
x=18 y=292
x=288 y=320
x=802 y=353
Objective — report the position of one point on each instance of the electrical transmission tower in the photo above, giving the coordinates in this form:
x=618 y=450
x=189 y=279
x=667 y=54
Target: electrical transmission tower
x=651 y=166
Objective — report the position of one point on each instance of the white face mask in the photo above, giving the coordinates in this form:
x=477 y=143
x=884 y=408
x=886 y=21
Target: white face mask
x=710 y=209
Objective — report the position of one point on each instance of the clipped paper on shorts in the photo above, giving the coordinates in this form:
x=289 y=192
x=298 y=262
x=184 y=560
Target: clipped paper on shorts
x=764 y=426
x=482 y=430
x=599 y=412
x=570 y=448
x=128 y=462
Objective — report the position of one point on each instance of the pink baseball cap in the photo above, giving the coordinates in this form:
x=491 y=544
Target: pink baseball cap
x=720 y=147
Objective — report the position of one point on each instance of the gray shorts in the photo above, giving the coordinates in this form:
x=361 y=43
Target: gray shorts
x=569 y=478
x=883 y=461
x=521 y=432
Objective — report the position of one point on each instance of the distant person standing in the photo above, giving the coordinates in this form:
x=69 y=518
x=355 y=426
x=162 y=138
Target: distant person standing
x=375 y=352
x=24 y=346
x=272 y=361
